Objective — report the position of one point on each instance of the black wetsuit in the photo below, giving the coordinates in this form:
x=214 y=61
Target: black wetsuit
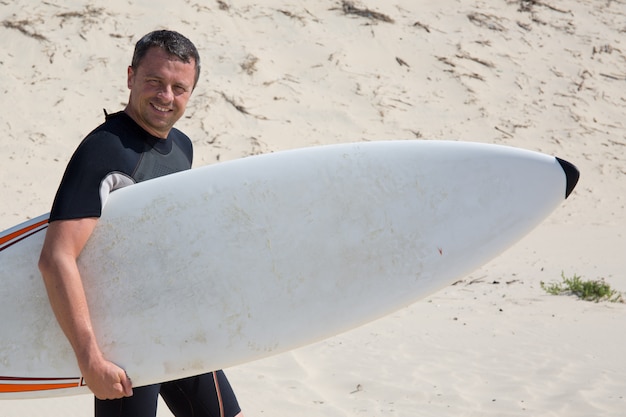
x=116 y=154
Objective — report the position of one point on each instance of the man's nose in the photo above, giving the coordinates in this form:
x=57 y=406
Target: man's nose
x=166 y=93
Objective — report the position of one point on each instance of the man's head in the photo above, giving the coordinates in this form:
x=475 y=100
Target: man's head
x=161 y=78
x=171 y=42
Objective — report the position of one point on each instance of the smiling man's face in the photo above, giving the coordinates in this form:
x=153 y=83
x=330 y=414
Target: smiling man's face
x=160 y=88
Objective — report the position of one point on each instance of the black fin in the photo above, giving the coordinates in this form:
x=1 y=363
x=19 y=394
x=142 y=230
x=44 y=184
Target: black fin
x=571 y=173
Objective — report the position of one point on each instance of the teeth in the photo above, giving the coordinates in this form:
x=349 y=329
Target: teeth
x=160 y=108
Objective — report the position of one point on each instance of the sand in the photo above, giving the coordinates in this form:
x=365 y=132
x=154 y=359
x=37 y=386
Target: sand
x=547 y=76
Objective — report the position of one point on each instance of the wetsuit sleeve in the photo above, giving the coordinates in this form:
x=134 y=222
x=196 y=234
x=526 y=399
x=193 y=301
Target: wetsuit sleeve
x=97 y=157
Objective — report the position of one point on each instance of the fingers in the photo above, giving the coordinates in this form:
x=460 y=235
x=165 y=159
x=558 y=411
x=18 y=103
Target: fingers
x=110 y=382
x=123 y=387
x=127 y=385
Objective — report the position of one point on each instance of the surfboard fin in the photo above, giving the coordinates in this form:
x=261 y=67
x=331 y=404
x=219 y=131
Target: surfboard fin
x=571 y=174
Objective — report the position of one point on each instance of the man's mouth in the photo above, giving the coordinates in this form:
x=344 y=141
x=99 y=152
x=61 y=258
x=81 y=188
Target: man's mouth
x=161 y=109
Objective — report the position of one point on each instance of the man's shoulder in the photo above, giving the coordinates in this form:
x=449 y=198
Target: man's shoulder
x=117 y=124
x=177 y=134
x=114 y=134
x=181 y=140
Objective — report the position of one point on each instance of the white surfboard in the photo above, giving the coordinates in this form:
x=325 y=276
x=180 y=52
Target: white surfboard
x=233 y=262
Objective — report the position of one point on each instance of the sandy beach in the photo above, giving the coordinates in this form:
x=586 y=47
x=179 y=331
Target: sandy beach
x=541 y=75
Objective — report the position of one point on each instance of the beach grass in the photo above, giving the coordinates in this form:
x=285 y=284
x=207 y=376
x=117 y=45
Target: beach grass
x=588 y=290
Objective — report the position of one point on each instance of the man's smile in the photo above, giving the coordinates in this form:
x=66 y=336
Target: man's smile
x=161 y=109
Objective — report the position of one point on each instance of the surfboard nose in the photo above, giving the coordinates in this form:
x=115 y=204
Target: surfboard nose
x=571 y=174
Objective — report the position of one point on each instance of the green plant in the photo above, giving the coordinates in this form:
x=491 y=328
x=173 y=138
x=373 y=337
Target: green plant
x=589 y=290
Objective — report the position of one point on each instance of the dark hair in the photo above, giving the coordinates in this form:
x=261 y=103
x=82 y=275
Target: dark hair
x=171 y=42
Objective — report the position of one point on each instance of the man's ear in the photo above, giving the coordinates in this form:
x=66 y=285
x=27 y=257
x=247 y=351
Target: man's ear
x=131 y=75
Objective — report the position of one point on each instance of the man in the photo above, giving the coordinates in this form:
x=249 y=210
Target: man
x=137 y=144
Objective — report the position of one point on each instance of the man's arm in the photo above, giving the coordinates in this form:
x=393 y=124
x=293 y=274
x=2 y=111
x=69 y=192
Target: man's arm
x=64 y=241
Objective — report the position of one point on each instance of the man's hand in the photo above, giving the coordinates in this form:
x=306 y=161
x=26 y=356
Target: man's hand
x=106 y=380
